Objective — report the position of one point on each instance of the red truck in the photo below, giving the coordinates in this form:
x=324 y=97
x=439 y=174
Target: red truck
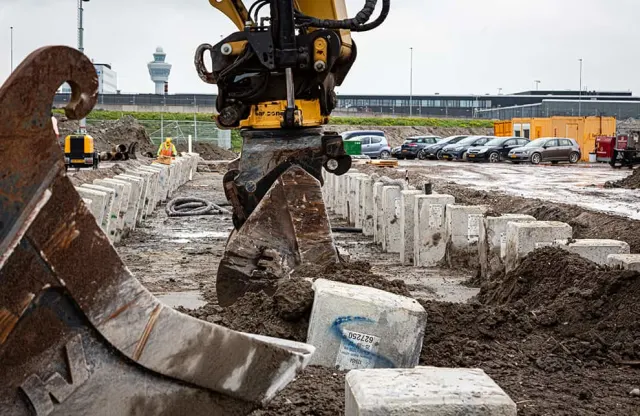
x=619 y=151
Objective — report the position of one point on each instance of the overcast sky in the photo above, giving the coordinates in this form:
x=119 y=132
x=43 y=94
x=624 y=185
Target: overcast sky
x=460 y=46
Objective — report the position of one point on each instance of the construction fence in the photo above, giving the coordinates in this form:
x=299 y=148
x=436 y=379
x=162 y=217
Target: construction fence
x=180 y=130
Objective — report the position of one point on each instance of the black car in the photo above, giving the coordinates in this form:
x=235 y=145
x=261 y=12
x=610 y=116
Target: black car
x=413 y=147
x=458 y=150
x=435 y=150
x=495 y=150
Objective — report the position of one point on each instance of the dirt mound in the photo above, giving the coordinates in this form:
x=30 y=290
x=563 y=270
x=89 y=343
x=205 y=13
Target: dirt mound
x=89 y=175
x=107 y=134
x=208 y=151
x=398 y=134
x=630 y=182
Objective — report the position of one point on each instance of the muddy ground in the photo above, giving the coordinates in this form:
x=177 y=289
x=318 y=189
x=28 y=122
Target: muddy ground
x=559 y=339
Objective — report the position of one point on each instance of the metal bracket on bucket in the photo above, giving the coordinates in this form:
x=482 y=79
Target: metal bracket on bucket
x=79 y=334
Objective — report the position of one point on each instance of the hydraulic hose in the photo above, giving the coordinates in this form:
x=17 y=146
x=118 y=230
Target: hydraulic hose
x=357 y=24
x=188 y=207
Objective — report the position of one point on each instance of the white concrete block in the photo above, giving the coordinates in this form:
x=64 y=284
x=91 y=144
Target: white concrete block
x=522 y=238
x=624 y=261
x=391 y=197
x=88 y=203
x=163 y=181
x=429 y=217
x=425 y=391
x=99 y=205
x=160 y=182
x=596 y=251
x=132 y=191
x=342 y=196
x=407 y=225
x=123 y=204
x=361 y=327
x=114 y=210
x=463 y=234
x=139 y=183
x=353 y=196
x=358 y=206
x=151 y=189
x=366 y=205
x=378 y=217
x=493 y=242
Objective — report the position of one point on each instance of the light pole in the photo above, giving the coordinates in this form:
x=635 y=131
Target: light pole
x=83 y=122
x=411 y=84
x=537 y=84
x=580 y=92
x=11 y=48
x=499 y=91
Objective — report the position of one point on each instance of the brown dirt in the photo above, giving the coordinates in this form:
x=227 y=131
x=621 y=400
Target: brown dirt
x=630 y=182
x=397 y=134
x=89 y=175
x=208 y=151
x=107 y=134
x=585 y=223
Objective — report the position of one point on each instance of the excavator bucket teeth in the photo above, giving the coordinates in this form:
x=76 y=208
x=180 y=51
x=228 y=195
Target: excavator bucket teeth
x=288 y=228
x=79 y=335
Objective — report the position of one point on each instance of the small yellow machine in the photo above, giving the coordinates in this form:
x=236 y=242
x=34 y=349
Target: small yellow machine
x=79 y=152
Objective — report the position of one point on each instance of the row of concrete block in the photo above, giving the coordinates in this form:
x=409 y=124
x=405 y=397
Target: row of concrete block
x=431 y=230
x=123 y=202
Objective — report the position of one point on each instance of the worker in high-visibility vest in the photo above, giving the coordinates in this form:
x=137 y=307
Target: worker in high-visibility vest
x=167 y=149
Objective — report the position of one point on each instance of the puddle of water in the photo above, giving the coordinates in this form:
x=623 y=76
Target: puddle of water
x=201 y=234
x=190 y=300
x=179 y=241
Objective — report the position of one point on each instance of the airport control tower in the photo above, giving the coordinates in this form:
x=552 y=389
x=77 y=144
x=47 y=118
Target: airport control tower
x=159 y=70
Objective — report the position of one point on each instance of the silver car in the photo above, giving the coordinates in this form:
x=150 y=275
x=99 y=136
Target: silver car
x=547 y=149
x=374 y=146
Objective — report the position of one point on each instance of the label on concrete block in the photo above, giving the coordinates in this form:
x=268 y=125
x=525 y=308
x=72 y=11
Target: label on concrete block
x=436 y=216
x=503 y=245
x=357 y=351
x=473 y=227
x=397 y=206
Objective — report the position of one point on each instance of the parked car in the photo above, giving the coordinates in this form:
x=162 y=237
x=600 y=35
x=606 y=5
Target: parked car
x=547 y=149
x=355 y=133
x=435 y=150
x=413 y=147
x=458 y=150
x=496 y=149
x=374 y=146
x=395 y=152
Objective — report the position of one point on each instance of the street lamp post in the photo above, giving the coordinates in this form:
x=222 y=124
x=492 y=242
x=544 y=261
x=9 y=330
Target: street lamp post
x=11 y=48
x=83 y=122
x=580 y=92
x=537 y=84
x=411 y=84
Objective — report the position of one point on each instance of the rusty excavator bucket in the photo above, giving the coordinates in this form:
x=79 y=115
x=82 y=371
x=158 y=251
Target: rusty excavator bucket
x=79 y=335
x=279 y=214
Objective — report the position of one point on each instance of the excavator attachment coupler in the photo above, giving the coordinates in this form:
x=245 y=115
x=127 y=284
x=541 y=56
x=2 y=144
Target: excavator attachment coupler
x=79 y=335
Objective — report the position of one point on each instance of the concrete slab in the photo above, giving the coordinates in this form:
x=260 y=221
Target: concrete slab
x=358 y=203
x=624 y=261
x=98 y=206
x=366 y=205
x=594 y=250
x=378 y=218
x=492 y=242
x=391 y=196
x=123 y=204
x=463 y=234
x=425 y=391
x=407 y=225
x=132 y=189
x=88 y=203
x=151 y=187
x=361 y=327
x=430 y=229
x=141 y=182
x=113 y=231
x=522 y=238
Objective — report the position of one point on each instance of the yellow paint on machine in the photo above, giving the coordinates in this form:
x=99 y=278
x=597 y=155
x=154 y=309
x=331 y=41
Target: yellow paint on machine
x=582 y=129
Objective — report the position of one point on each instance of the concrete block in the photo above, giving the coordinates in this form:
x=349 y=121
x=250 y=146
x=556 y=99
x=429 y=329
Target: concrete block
x=353 y=196
x=132 y=191
x=342 y=196
x=425 y=391
x=88 y=203
x=113 y=231
x=492 y=242
x=463 y=234
x=391 y=196
x=99 y=205
x=366 y=205
x=596 y=251
x=358 y=206
x=429 y=235
x=123 y=204
x=139 y=189
x=378 y=214
x=159 y=178
x=624 y=261
x=522 y=238
x=163 y=180
x=151 y=188
x=407 y=203
x=361 y=327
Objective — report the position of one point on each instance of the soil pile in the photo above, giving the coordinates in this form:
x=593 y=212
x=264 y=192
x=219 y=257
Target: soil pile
x=208 y=151
x=109 y=133
x=89 y=175
x=398 y=134
x=630 y=182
